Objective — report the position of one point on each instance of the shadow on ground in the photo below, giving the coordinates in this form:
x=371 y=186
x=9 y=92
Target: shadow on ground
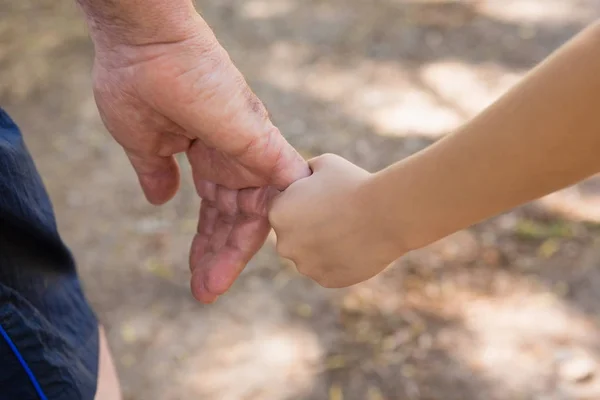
x=506 y=310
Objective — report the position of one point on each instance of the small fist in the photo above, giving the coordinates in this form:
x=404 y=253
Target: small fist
x=327 y=226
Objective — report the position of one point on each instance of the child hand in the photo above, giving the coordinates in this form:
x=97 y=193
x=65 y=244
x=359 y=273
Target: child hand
x=327 y=225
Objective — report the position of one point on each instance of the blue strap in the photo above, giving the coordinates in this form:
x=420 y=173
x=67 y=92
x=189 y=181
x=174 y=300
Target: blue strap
x=23 y=363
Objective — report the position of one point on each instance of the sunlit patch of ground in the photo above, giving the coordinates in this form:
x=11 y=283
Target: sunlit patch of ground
x=507 y=310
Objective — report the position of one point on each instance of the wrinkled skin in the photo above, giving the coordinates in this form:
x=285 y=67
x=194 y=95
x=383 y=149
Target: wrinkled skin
x=161 y=99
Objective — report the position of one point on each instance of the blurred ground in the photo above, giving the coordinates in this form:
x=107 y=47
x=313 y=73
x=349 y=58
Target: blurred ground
x=507 y=310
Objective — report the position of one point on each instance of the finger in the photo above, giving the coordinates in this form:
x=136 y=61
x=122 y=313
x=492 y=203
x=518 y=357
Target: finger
x=226 y=204
x=208 y=248
x=158 y=176
x=198 y=283
x=216 y=274
x=277 y=212
x=227 y=201
x=290 y=166
x=325 y=160
x=207 y=190
x=217 y=216
x=206 y=227
x=212 y=236
x=283 y=208
x=209 y=164
x=223 y=228
x=256 y=201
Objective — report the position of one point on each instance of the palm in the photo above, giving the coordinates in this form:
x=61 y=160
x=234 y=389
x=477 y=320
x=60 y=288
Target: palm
x=233 y=226
x=172 y=98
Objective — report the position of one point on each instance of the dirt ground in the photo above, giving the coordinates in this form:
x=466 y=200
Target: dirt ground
x=507 y=310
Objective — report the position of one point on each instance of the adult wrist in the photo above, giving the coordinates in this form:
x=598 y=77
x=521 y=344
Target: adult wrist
x=136 y=23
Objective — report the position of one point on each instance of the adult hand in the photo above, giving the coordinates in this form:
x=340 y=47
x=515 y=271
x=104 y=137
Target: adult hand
x=160 y=98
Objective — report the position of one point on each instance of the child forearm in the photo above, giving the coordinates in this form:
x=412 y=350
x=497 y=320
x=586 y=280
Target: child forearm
x=541 y=136
x=343 y=225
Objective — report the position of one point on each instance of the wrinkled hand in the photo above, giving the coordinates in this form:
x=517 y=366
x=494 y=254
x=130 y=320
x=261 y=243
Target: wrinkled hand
x=325 y=224
x=161 y=99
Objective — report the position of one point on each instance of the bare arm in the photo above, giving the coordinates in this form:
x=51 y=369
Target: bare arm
x=343 y=225
x=541 y=136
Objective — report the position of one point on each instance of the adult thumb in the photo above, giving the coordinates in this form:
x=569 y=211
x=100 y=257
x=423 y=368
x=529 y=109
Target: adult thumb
x=158 y=176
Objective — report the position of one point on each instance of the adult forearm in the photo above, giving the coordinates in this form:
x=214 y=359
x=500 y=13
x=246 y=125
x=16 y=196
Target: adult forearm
x=541 y=136
x=138 y=22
